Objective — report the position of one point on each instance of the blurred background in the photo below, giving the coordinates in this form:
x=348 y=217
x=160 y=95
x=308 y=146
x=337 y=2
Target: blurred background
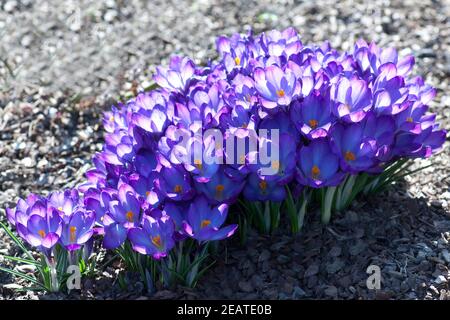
x=95 y=48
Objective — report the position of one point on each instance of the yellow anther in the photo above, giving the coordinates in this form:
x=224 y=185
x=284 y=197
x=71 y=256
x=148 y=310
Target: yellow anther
x=263 y=185
x=280 y=93
x=60 y=208
x=349 y=156
x=237 y=60
x=205 y=223
x=198 y=164
x=409 y=119
x=147 y=193
x=347 y=108
x=130 y=216
x=178 y=189
x=156 y=240
x=313 y=123
x=73 y=231
x=219 y=190
x=315 y=172
x=42 y=233
x=111 y=118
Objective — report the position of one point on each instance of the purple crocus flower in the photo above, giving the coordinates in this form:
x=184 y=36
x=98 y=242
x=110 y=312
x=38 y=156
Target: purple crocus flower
x=312 y=116
x=390 y=92
x=203 y=222
x=64 y=201
x=78 y=230
x=154 y=237
x=174 y=182
x=123 y=214
x=177 y=76
x=221 y=188
x=260 y=189
x=152 y=116
x=276 y=87
x=43 y=231
x=356 y=151
x=317 y=165
x=352 y=99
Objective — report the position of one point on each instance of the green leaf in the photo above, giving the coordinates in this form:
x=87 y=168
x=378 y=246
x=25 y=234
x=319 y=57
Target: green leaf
x=17 y=241
x=23 y=276
x=327 y=203
x=21 y=260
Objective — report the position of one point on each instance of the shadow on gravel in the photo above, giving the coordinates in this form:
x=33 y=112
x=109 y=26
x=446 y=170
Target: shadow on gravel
x=404 y=236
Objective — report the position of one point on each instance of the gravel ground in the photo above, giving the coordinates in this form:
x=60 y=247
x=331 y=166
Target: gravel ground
x=62 y=64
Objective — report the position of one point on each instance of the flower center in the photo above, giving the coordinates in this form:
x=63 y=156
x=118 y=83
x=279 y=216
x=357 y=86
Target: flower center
x=111 y=118
x=72 y=231
x=156 y=240
x=130 y=216
x=313 y=123
x=237 y=60
x=409 y=119
x=219 y=190
x=178 y=188
x=198 y=164
x=60 y=208
x=42 y=233
x=205 y=223
x=349 y=156
x=315 y=172
x=347 y=108
x=147 y=193
x=280 y=93
x=263 y=185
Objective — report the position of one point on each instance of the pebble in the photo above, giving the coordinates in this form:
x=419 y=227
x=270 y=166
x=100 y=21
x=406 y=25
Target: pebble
x=10 y=6
x=245 y=286
x=446 y=256
x=311 y=271
x=298 y=293
x=440 y=279
x=331 y=291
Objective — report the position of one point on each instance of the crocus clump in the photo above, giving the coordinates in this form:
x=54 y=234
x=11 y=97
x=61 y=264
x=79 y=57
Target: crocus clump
x=338 y=115
x=61 y=218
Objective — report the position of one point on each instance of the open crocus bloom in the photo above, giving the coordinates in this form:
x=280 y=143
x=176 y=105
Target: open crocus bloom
x=154 y=237
x=204 y=222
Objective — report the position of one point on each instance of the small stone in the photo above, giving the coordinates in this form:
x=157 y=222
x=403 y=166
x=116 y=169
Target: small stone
x=446 y=255
x=335 y=266
x=12 y=286
x=331 y=291
x=282 y=259
x=440 y=279
x=245 y=286
x=110 y=15
x=298 y=293
x=28 y=162
x=335 y=251
x=312 y=270
x=265 y=255
x=357 y=248
x=26 y=268
x=10 y=6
